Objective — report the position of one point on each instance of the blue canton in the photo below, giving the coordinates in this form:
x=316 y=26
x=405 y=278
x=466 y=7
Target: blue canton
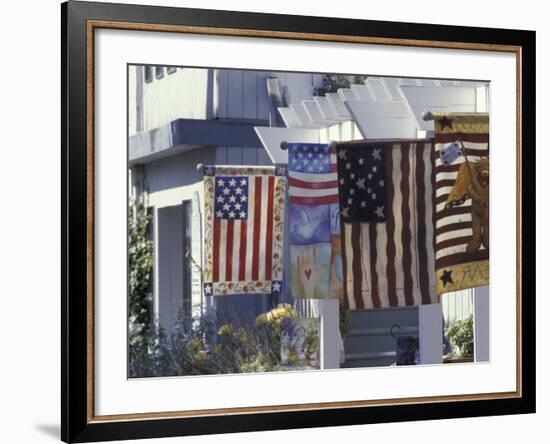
x=311 y=158
x=362 y=184
x=231 y=197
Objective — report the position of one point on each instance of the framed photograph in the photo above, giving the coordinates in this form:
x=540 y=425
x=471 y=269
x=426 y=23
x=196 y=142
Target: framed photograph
x=275 y=221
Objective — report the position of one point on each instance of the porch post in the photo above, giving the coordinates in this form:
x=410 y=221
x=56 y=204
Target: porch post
x=430 y=336
x=481 y=323
x=328 y=312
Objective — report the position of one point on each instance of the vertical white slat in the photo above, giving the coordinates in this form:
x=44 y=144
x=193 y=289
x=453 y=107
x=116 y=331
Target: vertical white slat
x=249 y=99
x=329 y=331
x=235 y=94
x=430 y=334
x=481 y=324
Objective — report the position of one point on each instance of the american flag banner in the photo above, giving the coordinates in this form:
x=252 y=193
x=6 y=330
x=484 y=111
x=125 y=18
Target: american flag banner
x=387 y=209
x=314 y=221
x=244 y=229
x=462 y=201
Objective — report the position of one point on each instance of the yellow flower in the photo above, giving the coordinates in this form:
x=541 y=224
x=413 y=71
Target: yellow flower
x=225 y=330
x=194 y=345
x=261 y=319
x=200 y=357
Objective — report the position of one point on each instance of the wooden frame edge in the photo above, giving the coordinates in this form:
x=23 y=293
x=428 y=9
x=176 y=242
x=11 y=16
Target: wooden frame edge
x=97 y=24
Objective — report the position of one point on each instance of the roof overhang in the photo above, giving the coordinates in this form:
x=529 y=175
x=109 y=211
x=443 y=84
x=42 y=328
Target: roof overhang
x=184 y=135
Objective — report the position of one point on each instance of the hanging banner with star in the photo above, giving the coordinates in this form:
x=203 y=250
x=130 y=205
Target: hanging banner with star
x=315 y=258
x=462 y=200
x=244 y=224
x=386 y=218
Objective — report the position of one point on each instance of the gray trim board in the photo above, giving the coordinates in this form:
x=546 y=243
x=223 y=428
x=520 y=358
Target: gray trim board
x=183 y=135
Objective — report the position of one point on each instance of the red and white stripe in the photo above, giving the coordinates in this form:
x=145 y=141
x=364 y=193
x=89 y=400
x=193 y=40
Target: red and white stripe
x=391 y=264
x=453 y=227
x=242 y=249
x=314 y=189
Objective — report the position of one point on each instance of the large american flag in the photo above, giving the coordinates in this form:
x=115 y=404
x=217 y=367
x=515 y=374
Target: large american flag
x=312 y=174
x=244 y=225
x=386 y=206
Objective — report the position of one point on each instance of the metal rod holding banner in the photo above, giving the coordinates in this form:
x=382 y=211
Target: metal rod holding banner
x=284 y=144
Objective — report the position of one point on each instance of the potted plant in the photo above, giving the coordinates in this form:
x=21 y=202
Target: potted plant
x=461 y=334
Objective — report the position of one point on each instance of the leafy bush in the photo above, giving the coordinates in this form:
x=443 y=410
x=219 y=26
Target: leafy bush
x=243 y=346
x=461 y=333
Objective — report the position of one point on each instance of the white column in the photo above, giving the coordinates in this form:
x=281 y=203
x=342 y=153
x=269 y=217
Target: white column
x=430 y=337
x=328 y=312
x=481 y=324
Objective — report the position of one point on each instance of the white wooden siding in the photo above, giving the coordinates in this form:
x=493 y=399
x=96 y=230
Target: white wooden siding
x=183 y=94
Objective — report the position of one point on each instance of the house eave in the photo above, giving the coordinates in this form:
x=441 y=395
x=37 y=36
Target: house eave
x=182 y=135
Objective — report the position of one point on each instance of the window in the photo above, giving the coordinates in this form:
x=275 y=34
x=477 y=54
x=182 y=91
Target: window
x=170 y=69
x=159 y=72
x=148 y=74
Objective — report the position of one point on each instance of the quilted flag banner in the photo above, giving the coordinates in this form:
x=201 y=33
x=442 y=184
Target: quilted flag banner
x=462 y=201
x=314 y=221
x=244 y=225
x=386 y=215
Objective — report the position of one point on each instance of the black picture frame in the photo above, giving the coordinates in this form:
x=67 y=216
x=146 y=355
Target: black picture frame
x=77 y=424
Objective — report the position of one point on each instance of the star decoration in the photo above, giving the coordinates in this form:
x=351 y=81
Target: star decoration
x=276 y=287
x=221 y=182
x=376 y=153
x=360 y=183
x=345 y=212
x=445 y=122
x=209 y=171
x=446 y=277
x=342 y=154
x=379 y=212
x=208 y=289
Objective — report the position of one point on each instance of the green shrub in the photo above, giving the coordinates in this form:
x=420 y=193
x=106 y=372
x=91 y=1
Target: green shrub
x=461 y=333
